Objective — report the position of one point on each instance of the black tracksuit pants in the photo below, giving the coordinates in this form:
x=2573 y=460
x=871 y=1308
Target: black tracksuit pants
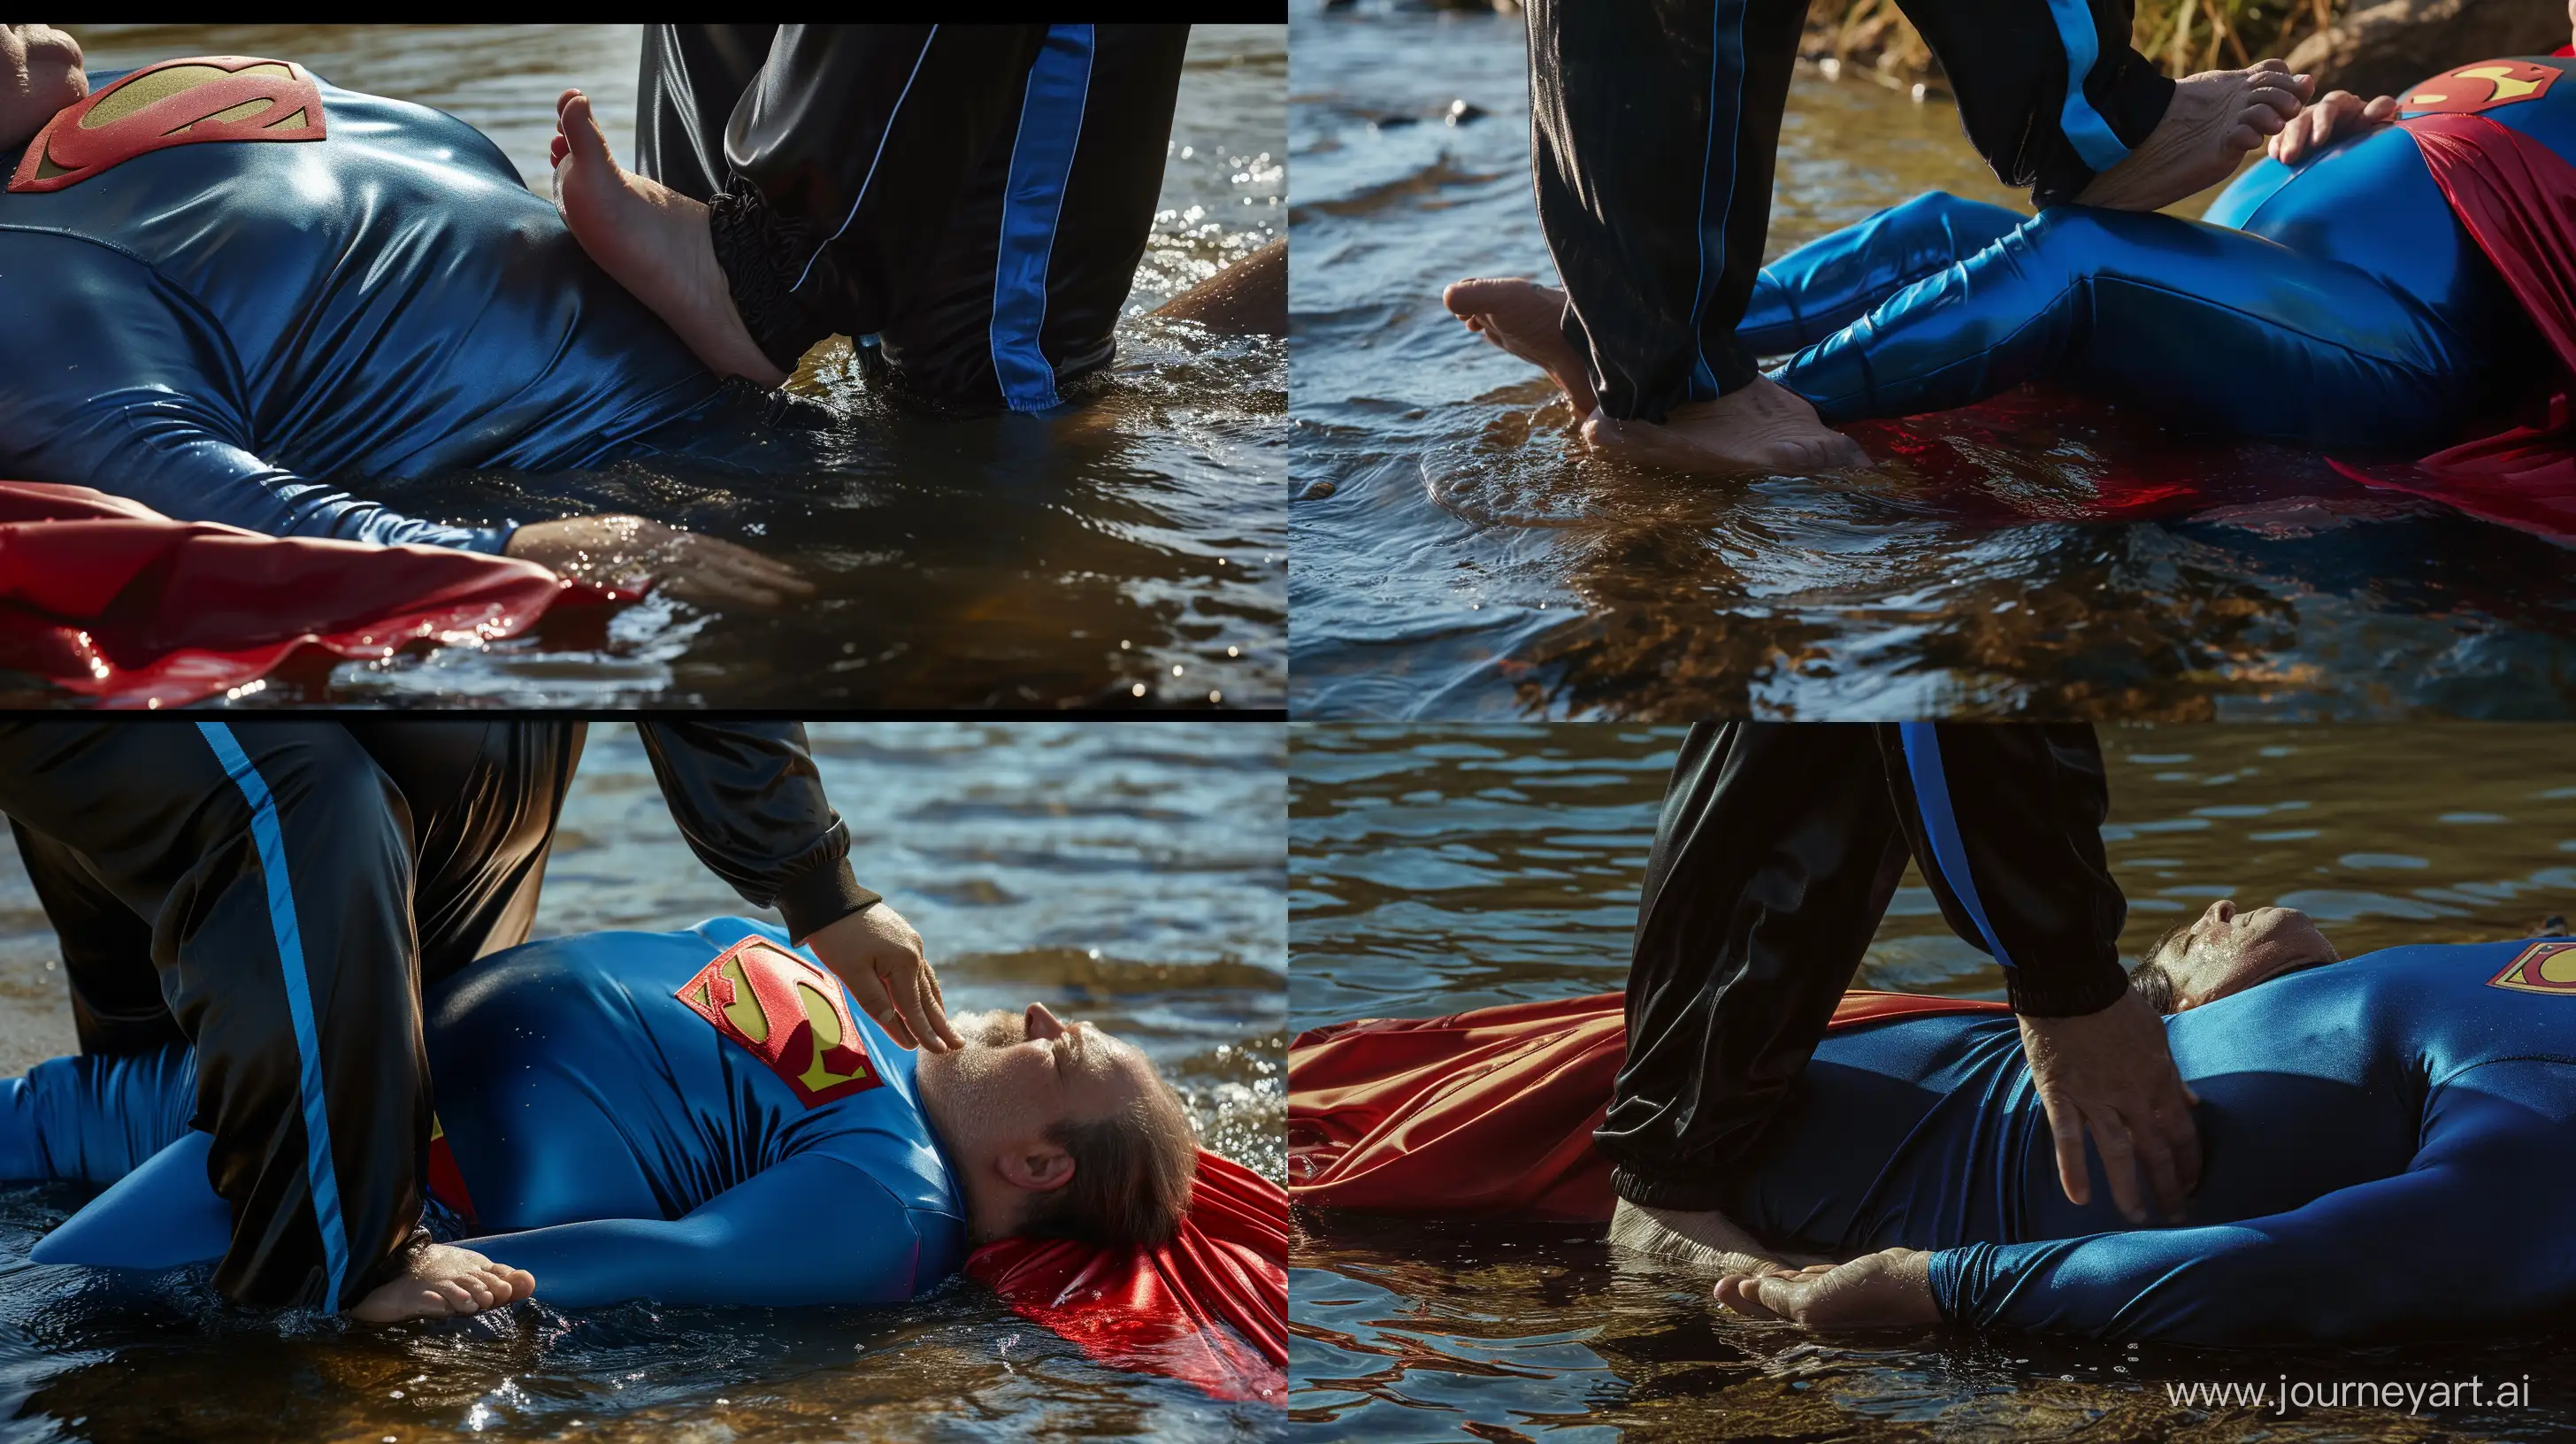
x=1653 y=127
x=1778 y=848
x=276 y=892
x=974 y=197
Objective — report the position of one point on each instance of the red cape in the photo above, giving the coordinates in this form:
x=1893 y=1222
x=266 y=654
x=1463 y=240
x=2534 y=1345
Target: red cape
x=1210 y=1307
x=1481 y=1114
x=2517 y=200
x=116 y=602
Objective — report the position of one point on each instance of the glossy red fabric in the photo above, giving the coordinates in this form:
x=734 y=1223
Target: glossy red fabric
x=119 y=603
x=1486 y=1113
x=2517 y=200
x=1210 y=1307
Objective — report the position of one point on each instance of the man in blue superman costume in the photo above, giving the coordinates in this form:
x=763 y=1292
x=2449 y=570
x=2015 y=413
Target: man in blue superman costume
x=2375 y=1109
x=276 y=896
x=229 y=286
x=2388 y=282
x=2379 y=1108
x=697 y=1117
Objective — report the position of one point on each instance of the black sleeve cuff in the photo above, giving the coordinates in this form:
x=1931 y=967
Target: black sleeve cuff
x=2072 y=993
x=2132 y=97
x=821 y=897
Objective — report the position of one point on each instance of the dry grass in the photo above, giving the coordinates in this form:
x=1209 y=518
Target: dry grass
x=2182 y=35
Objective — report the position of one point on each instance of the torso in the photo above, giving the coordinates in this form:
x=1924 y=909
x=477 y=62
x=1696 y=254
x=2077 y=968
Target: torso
x=2369 y=202
x=396 y=300
x=573 y=1081
x=1926 y=1132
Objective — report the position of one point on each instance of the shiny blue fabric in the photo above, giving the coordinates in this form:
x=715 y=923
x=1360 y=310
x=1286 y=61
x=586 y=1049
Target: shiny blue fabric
x=226 y=331
x=614 y=1144
x=2394 y=1106
x=2336 y=304
x=1051 y=112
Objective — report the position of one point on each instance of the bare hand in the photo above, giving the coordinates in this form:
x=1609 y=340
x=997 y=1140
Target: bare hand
x=2113 y=1072
x=444 y=1281
x=623 y=552
x=2341 y=113
x=1887 y=1289
x=878 y=955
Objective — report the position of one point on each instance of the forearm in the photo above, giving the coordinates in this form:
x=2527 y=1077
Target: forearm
x=750 y=803
x=173 y=455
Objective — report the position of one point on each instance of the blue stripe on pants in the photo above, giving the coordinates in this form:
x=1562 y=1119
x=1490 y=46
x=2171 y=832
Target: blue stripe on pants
x=1725 y=63
x=2083 y=125
x=1941 y=828
x=1041 y=161
x=321 y=1179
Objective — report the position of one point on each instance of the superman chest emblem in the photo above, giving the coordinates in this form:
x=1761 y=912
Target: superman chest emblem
x=2482 y=86
x=787 y=1013
x=2541 y=968
x=177 y=102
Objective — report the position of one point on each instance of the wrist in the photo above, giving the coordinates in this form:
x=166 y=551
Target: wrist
x=822 y=896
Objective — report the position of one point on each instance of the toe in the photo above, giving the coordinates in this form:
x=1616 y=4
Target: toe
x=1469 y=297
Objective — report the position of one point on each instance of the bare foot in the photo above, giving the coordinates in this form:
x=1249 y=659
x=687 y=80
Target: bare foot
x=654 y=241
x=1762 y=427
x=1702 y=1239
x=441 y=1282
x=1248 y=298
x=1521 y=317
x=2216 y=117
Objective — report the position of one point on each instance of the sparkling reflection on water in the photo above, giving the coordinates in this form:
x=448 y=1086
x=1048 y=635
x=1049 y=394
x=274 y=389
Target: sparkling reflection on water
x=1129 y=874
x=1440 y=868
x=1010 y=561
x=1458 y=556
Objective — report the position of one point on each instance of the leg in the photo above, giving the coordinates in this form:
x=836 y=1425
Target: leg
x=846 y=156
x=2209 y=329
x=117 y=1005
x=1024 y=290
x=272 y=860
x=1834 y=280
x=1775 y=854
x=1652 y=136
x=2006 y=823
x=692 y=77
x=95 y=1119
x=483 y=798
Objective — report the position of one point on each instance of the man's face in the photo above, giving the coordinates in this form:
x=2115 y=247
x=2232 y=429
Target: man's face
x=2227 y=951
x=1021 y=1073
x=40 y=73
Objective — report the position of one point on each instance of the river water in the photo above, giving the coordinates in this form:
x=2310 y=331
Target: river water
x=1434 y=869
x=1128 y=874
x=1458 y=556
x=1023 y=562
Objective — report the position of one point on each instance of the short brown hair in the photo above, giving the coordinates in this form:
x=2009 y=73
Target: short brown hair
x=1131 y=1175
x=2149 y=978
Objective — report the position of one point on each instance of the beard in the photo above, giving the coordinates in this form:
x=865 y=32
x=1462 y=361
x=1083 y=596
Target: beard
x=956 y=1085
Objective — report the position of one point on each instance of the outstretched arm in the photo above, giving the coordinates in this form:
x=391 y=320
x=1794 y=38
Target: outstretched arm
x=808 y=1230
x=2469 y=1236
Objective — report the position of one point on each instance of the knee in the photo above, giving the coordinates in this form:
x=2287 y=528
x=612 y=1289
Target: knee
x=1974 y=224
x=333 y=802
